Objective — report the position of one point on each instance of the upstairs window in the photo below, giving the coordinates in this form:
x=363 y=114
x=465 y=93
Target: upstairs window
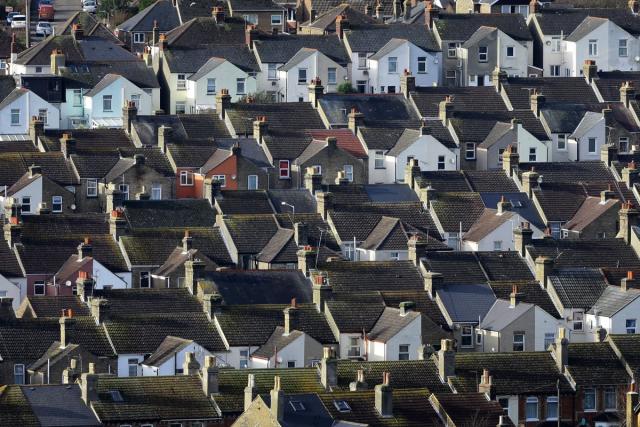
x=211 y=86
x=403 y=352
x=630 y=326
x=589 y=399
x=186 y=178
x=15 y=116
x=56 y=204
x=284 y=169
x=555 y=43
x=466 y=336
x=182 y=82
x=138 y=37
x=422 y=64
x=511 y=51
x=623 y=49
x=272 y=72
x=452 y=50
x=393 y=64
x=483 y=53
x=331 y=76
x=302 y=76
x=593 y=47
x=362 y=60
x=92 y=187
x=518 y=341
x=107 y=103
x=276 y=20
x=240 y=87
x=18 y=373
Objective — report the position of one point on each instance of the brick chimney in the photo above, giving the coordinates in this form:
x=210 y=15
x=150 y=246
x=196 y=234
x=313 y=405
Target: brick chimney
x=129 y=114
x=6 y=309
x=89 y=385
x=71 y=373
x=290 y=316
x=486 y=382
x=277 y=400
x=342 y=24
x=537 y=101
x=406 y=307
x=428 y=195
x=312 y=180
x=630 y=174
x=530 y=182
x=36 y=129
x=57 y=61
x=316 y=91
x=250 y=391
x=627 y=218
x=446 y=360
x=324 y=203
x=628 y=282
x=417 y=249
x=407 y=83
x=359 y=384
x=384 y=396
x=498 y=78
x=260 y=127
x=84 y=286
x=608 y=153
x=433 y=282
x=522 y=237
x=218 y=14
x=162 y=43
x=165 y=137
x=411 y=171
x=85 y=249
x=117 y=223
x=631 y=403
x=504 y=205
x=13 y=228
x=430 y=13
x=534 y=7
x=67 y=145
x=445 y=109
x=100 y=309
x=589 y=70
x=209 y=376
x=544 y=268
x=510 y=159
x=634 y=6
x=77 y=31
x=306 y=259
x=329 y=369
x=193 y=270
x=250 y=34
x=356 y=120
x=321 y=289
x=190 y=365
x=223 y=102
x=561 y=350
x=65 y=325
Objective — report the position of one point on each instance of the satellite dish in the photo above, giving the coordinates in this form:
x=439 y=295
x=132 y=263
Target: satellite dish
x=637 y=58
x=68 y=283
x=73 y=207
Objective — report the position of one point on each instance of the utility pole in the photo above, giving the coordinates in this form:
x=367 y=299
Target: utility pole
x=27 y=30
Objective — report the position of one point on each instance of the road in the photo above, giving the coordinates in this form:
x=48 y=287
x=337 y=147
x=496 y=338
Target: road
x=64 y=9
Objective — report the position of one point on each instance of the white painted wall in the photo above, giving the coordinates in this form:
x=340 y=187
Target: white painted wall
x=226 y=75
x=120 y=90
x=33 y=190
x=407 y=55
x=123 y=365
x=368 y=255
x=411 y=335
x=176 y=361
x=503 y=233
x=317 y=65
x=104 y=277
x=29 y=104
x=616 y=324
x=10 y=290
x=294 y=351
x=545 y=324
x=579 y=149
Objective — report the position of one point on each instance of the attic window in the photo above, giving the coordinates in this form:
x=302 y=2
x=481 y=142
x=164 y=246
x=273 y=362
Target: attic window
x=297 y=405
x=342 y=405
x=115 y=396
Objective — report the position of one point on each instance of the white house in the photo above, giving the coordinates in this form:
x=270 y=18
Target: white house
x=489 y=152
x=103 y=103
x=17 y=108
x=12 y=290
x=294 y=349
x=388 y=64
x=586 y=140
x=215 y=74
x=617 y=311
x=169 y=358
x=396 y=335
x=305 y=65
x=34 y=191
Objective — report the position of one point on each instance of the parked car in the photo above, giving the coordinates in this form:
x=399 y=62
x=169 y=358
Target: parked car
x=10 y=16
x=19 y=21
x=44 y=29
x=46 y=12
x=90 y=7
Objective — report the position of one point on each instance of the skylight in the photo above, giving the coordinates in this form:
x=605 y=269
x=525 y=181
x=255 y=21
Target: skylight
x=115 y=396
x=342 y=405
x=297 y=405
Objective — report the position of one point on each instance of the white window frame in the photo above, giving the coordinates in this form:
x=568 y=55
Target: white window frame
x=578 y=321
x=43 y=114
x=56 y=201
x=497 y=245
x=348 y=172
x=562 y=137
x=354 y=347
x=533 y=154
x=403 y=354
x=156 y=192
x=379 y=159
x=554 y=70
x=332 y=75
x=452 y=50
x=131 y=365
x=181 y=81
x=139 y=38
x=92 y=187
x=272 y=71
x=181 y=107
x=124 y=189
x=15 y=117
x=623 y=48
x=552 y=400
x=392 y=64
x=317 y=169
x=363 y=61
x=302 y=76
x=277 y=21
x=595 y=144
x=241 y=86
x=422 y=65
x=513 y=51
x=631 y=326
x=211 y=86
x=531 y=401
x=483 y=53
x=284 y=166
x=623 y=140
x=186 y=178
x=107 y=103
x=590 y=391
x=593 y=47
x=222 y=179
x=549 y=338
x=442 y=163
x=466 y=331
x=470 y=151
x=519 y=343
x=147 y=276
x=77 y=97
x=19 y=371
x=26 y=204
x=244 y=359
x=556 y=44
x=39 y=284
x=251 y=18
x=249 y=185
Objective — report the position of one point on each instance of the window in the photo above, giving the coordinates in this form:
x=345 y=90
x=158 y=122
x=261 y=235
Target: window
x=593 y=47
x=531 y=409
x=379 y=159
x=483 y=53
x=56 y=204
x=138 y=37
x=107 y=103
x=451 y=77
x=589 y=399
x=182 y=81
x=26 y=204
x=577 y=320
x=361 y=86
x=452 y=50
x=145 y=279
x=470 y=151
x=124 y=189
x=478 y=337
x=156 y=192
x=348 y=172
x=283 y=166
x=354 y=347
x=549 y=337
x=394 y=256
x=630 y=326
x=554 y=70
x=317 y=169
x=403 y=352
x=331 y=76
x=77 y=97
x=623 y=50
x=244 y=359
x=592 y=145
x=497 y=245
x=532 y=154
x=43 y=115
x=251 y=19
x=135 y=98
x=441 y=163
x=555 y=43
x=391 y=89
x=610 y=399
x=466 y=336
x=181 y=107
x=272 y=72
x=518 y=341
x=552 y=407
x=211 y=86
x=362 y=61
x=511 y=51
x=18 y=373
x=623 y=144
x=291 y=363
x=504 y=404
x=240 y=87
x=276 y=19
x=38 y=69
x=186 y=178
x=302 y=76
x=222 y=179
x=92 y=187
x=393 y=64
x=422 y=64
x=562 y=141
x=39 y=287
x=342 y=406
x=252 y=182
x=15 y=116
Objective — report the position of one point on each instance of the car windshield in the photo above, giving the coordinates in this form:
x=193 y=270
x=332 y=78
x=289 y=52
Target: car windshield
x=19 y=18
x=44 y=24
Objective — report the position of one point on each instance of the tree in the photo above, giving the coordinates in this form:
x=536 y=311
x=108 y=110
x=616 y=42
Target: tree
x=346 y=87
x=257 y=98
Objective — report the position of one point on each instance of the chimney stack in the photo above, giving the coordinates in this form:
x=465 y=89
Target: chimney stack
x=316 y=91
x=406 y=307
x=628 y=282
x=35 y=170
x=306 y=260
x=187 y=242
x=260 y=127
x=379 y=11
x=446 y=360
x=250 y=391
x=514 y=296
x=328 y=369
x=544 y=268
x=342 y=24
x=67 y=144
x=384 y=396
x=85 y=249
x=486 y=381
x=57 y=61
x=627 y=218
x=301 y=233
x=522 y=237
x=530 y=182
x=223 y=102
x=406 y=10
x=250 y=33
x=13 y=228
x=534 y=7
x=6 y=309
x=504 y=205
x=607 y=194
x=36 y=129
x=193 y=270
x=537 y=102
x=445 y=109
x=321 y=289
x=277 y=400
x=89 y=385
x=589 y=70
x=561 y=350
x=162 y=42
x=631 y=404
x=359 y=384
x=71 y=373
x=630 y=174
x=407 y=83
x=84 y=286
x=417 y=249
x=324 y=203
x=627 y=93
x=210 y=376
x=65 y=324
x=190 y=365
x=498 y=78
x=397 y=9
x=100 y=309
x=155 y=33
x=356 y=120
x=608 y=153
x=430 y=13
x=433 y=282
x=129 y=114
x=290 y=316
x=411 y=171
x=218 y=14
x=77 y=31
x=117 y=222
x=312 y=180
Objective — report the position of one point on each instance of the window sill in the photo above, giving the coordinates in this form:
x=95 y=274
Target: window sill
x=302 y=83
x=284 y=178
x=377 y=168
x=210 y=93
x=186 y=185
x=182 y=89
x=532 y=419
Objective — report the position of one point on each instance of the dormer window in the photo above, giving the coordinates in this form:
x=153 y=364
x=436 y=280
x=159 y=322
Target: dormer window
x=138 y=37
x=297 y=405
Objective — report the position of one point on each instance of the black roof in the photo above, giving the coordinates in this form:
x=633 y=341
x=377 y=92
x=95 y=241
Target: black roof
x=462 y=26
x=162 y=12
x=373 y=38
x=572 y=90
x=554 y=21
x=281 y=48
x=380 y=110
